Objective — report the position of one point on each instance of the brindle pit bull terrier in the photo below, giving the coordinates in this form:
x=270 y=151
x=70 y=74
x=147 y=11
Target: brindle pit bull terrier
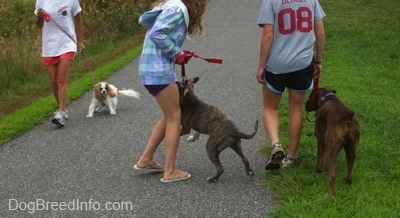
x=336 y=127
x=210 y=120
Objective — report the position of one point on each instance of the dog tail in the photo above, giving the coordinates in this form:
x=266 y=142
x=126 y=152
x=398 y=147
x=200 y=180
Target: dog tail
x=247 y=136
x=130 y=93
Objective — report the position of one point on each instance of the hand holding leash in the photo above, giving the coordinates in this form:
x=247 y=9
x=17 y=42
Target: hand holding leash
x=183 y=58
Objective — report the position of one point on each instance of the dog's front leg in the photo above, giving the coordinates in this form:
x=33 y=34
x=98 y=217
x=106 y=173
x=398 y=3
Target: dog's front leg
x=184 y=130
x=194 y=137
x=112 y=106
x=91 y=109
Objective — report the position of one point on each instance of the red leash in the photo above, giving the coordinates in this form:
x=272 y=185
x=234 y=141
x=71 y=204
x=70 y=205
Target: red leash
x=191 y=55
x=48 y=18
x=311 y=104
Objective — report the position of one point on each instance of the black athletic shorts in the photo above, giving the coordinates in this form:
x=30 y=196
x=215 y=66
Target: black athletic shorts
x=299 y=81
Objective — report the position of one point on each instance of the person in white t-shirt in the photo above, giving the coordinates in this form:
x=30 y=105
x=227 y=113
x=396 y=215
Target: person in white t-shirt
x=58 y=20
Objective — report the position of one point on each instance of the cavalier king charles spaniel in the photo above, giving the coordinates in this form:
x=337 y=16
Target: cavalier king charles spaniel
x=107 y=94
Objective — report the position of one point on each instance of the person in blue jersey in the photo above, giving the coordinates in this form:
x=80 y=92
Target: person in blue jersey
x=291 y=48
x=169 y=23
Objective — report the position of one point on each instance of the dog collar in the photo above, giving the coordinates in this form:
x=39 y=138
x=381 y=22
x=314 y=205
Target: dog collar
x=323 y=98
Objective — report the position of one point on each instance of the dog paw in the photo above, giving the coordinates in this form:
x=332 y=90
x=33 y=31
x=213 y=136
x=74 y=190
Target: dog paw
x=89 y=115
x=348 y=181
x=191 y=138
x=211 y=180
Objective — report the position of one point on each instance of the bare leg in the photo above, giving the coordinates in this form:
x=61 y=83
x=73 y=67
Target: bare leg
x=52 y=71
x=168 y=99
x=271 y=119
x=62 y=80
x=296 y=101
x=59 y=81
x=154 y=141
x=271 y=122
x=168 y=128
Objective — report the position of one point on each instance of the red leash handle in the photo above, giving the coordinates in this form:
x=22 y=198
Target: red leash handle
x=189 y=55
x=210 y=60
x=316 y=78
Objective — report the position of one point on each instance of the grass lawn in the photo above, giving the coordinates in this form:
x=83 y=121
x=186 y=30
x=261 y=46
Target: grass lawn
x=362 y=63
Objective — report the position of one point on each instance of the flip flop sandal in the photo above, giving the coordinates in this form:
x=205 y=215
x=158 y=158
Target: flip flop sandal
x=156 y=168
x=181 y=177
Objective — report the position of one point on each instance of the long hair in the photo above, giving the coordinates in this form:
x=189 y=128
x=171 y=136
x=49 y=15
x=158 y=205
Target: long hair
x=196 y=9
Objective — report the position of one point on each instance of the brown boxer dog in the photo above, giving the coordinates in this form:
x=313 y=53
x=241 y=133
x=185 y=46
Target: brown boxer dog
x=336 y=127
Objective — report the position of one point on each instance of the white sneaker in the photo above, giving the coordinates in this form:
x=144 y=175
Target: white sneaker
x=66 y=114
x=287 y=162
x=59 y=118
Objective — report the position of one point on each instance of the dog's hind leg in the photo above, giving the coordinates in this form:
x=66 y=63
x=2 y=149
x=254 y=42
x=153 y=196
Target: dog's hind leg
x=236 y=146
x=350 y=151
x=332 y=149
x=213 y=152
x=320 y=155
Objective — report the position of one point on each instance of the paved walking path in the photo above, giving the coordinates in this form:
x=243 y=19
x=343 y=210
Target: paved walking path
x=89 y=162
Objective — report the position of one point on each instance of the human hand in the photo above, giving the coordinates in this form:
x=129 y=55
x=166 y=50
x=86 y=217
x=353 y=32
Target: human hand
x=81 y=47
x=317 y=70
x=183 y=58
x=42 y=14
x=260 y=76
x=188 y=52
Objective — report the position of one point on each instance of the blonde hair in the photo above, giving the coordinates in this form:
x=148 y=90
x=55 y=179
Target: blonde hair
x=196 y=9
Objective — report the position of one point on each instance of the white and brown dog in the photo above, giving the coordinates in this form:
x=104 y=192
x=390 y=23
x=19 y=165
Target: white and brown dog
x=107 y=94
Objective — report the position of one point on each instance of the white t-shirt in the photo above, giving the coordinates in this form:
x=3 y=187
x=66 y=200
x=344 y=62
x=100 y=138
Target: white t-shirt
x=54 y=41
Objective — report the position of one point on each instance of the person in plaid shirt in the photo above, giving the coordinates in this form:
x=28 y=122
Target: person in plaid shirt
x=169 y=23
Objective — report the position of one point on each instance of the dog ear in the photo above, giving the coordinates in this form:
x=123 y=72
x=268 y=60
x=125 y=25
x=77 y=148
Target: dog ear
x=97 y=93
x=196 y=79
x=110 y=91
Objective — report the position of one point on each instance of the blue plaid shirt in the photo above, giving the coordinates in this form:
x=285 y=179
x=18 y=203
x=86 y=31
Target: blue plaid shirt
x=166 y=34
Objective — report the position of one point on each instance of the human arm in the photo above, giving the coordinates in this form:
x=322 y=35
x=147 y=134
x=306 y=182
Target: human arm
x=265 y=45
x=79 y=31
x=320 y=43
x=166 y=34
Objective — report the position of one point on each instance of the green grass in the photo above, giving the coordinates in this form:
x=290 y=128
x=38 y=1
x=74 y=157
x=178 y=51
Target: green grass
x=26 y=118
x=362 y=63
